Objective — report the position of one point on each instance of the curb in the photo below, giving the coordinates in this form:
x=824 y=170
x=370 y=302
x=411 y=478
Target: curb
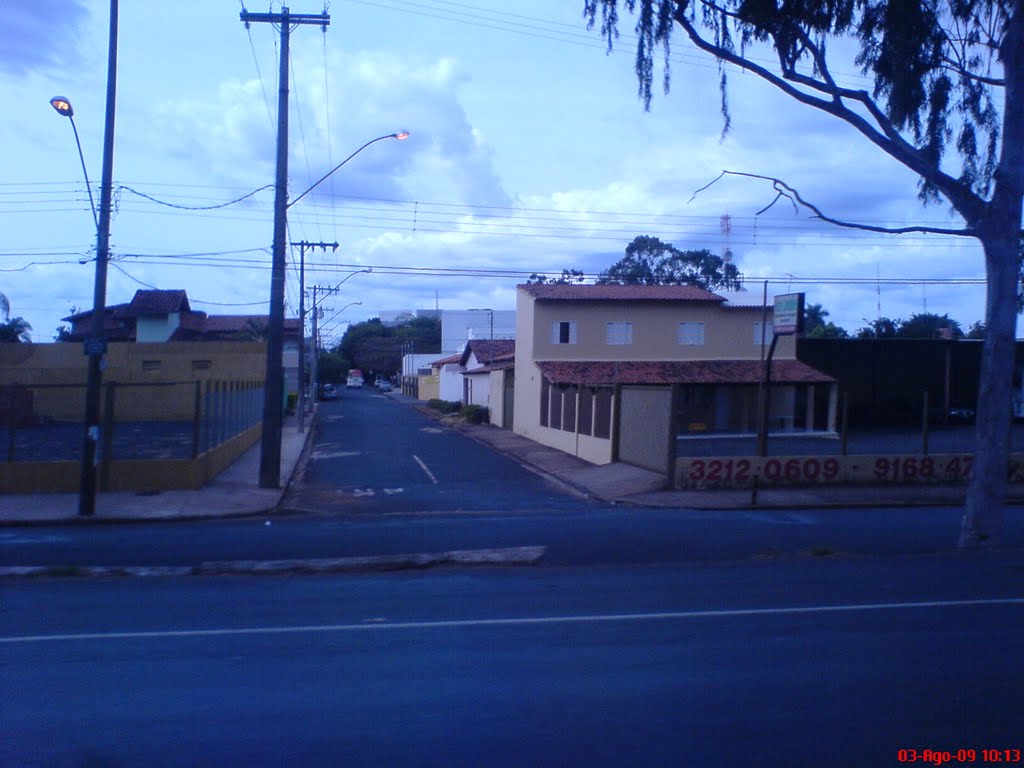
x=528 y=555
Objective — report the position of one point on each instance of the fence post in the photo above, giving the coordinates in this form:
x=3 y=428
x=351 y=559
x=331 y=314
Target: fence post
x=108 y=435
x=197 y=404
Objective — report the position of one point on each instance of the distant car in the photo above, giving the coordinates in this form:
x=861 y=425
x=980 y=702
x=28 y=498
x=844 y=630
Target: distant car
x=383 y=385
x=354 y=382
x=328 y=392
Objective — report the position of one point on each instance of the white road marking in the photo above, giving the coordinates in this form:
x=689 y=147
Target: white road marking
x=32 y=538
x=321 y=454
x=431 y=430
x=514 y=622
x=425 y=469
x=393 y=491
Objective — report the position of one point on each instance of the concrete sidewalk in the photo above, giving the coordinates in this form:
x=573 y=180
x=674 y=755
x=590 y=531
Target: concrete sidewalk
x=234 y=493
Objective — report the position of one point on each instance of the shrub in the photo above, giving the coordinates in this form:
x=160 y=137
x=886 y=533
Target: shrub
x=444 y=406
x=474 y=414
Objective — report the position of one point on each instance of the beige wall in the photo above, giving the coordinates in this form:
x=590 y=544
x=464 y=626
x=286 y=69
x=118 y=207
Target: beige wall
x=526 y=413
x=728 y=333
x=429 y=388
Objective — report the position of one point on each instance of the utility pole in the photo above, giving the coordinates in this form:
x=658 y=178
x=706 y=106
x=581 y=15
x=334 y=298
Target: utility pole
x=303 y=245
x=316 y=317
x=96 y=344
x=273 y=399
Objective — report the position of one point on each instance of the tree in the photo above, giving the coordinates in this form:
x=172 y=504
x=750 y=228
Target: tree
x=928 y=325
x=816 y=327
x=649 y=261
x=376 y=349
x=948 y=74
x=568 y=277
x=13 y=329
x=882 y=328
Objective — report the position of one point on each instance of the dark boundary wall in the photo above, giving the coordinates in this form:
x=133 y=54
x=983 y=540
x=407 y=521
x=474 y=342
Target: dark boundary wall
x=884 y=379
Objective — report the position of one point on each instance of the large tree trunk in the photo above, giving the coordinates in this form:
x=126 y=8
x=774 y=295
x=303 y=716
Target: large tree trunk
x=999 y=229
x=986 y=493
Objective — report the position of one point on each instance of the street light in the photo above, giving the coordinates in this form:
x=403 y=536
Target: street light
x=399 y=135
x=96 y=344
x=273 y=391
x=63 y=107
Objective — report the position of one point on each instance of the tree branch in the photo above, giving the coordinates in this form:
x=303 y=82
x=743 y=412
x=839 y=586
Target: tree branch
x=885 y=136
x=784 y=190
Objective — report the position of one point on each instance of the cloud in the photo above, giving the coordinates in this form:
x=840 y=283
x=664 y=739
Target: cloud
x=40 y=35
x=367 y=95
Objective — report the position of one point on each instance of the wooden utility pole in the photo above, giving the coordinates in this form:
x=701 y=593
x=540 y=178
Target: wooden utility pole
x=273 y=398
x=303 y=246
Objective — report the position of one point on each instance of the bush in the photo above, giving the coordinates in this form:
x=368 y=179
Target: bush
x=474 y=414
x=444 y=406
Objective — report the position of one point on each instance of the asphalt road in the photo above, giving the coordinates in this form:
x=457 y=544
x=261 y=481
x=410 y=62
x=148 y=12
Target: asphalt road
x=801 y=663
x=373 y=454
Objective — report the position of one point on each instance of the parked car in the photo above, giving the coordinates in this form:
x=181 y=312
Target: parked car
x=383 y=385
x=328 y=392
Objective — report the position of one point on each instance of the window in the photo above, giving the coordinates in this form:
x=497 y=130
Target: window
x=151 y=365
x=201 y=365
x=563 y=332
x=619 y=333
x=691 y=333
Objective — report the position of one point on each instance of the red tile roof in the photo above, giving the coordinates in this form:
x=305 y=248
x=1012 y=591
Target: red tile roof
x=595 y=373
x=620 y=293
x=487 y=350
x=158 y=302
x=448 y=360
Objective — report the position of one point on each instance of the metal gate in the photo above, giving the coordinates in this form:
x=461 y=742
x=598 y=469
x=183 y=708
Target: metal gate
x=645 y=421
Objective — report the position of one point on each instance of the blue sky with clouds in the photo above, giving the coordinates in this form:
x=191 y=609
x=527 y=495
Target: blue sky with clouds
x=529 y=151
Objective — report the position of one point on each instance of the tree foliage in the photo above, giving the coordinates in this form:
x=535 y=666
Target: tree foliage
x=817 y=327
x=568 y=277
x=376 y=349
x=923 y=325
x=13 y=329
x=649 y=261
x=948 y=78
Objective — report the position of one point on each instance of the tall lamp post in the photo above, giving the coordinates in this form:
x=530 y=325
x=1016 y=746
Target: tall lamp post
x=96 y=344
x=273 y=391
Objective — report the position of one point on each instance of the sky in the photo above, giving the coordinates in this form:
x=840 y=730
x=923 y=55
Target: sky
x=529 y=151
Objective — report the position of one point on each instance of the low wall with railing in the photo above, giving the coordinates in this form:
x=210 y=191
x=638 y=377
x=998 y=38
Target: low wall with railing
x=153 y=436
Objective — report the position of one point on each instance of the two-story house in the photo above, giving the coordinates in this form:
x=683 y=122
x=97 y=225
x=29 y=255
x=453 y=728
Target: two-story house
x=618 y=372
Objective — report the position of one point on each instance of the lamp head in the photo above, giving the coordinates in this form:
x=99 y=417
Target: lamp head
x=63 y=106
x=400 y=135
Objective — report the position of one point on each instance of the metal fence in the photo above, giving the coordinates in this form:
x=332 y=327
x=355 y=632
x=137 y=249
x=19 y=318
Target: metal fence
x=138 y=420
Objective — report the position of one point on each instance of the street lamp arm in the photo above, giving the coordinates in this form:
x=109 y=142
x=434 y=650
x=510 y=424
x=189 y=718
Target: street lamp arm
x=400 y=135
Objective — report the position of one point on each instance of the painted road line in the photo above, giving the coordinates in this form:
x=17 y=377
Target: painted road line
x=515 y=622
x=425 y=469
